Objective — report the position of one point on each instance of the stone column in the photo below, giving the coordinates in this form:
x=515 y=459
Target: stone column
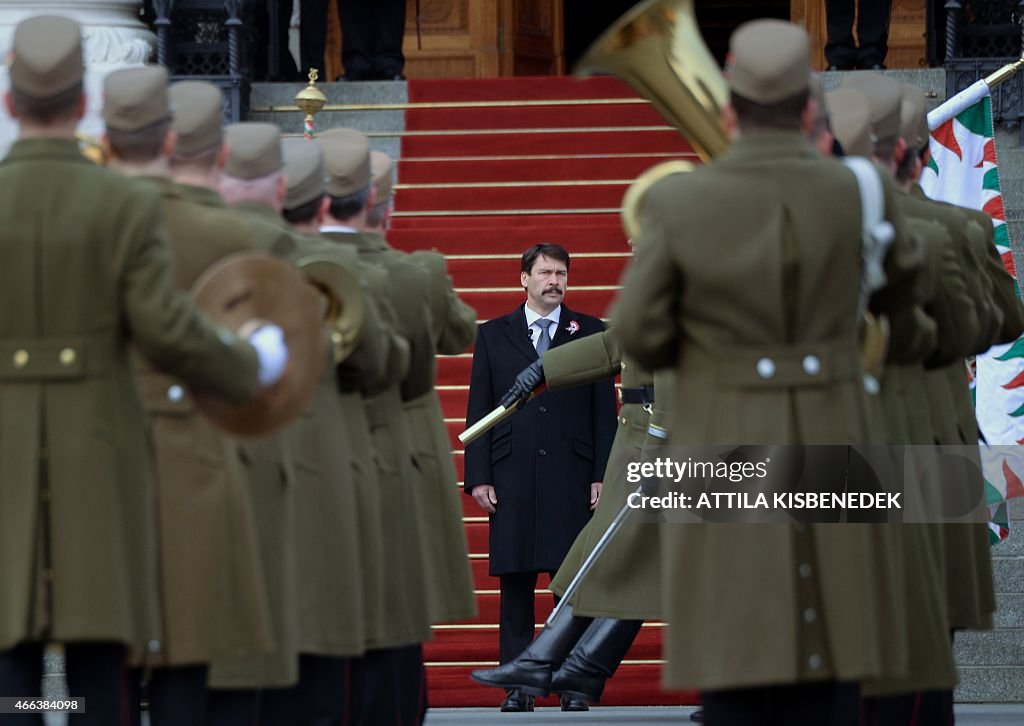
x=113 y=38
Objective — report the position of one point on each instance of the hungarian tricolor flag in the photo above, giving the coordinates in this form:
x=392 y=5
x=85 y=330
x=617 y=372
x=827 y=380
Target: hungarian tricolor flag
x=963 y=170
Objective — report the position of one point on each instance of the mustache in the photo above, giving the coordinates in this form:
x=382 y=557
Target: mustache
x=553 y=288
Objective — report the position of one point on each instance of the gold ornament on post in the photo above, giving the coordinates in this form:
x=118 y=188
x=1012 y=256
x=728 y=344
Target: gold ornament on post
x=310 y=101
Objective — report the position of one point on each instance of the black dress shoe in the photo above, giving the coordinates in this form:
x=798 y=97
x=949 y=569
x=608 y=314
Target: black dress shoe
x=574 y=703
x=517 y=702
x=697 y=716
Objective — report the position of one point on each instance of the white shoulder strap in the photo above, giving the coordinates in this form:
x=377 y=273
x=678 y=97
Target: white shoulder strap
x=876 y=232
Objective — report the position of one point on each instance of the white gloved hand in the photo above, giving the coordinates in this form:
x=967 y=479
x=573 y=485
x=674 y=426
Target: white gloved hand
x=268 y=340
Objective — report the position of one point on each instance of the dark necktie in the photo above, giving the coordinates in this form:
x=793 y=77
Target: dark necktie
x=544 y=341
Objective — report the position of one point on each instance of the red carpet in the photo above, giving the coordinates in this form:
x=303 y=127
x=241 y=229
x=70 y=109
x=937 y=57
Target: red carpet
x=488 y=168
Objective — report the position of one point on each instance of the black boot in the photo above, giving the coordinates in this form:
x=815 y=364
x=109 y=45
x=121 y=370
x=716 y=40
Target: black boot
x=595 y=658
x=531 y=670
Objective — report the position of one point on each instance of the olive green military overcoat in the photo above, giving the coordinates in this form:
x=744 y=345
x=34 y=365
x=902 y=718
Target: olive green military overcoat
x=624 y=583
x=404 y=617
x=453 y=326
x=213 y=594
x=86 y=275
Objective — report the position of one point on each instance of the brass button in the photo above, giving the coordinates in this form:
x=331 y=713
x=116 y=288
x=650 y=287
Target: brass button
x=811 y=365
x=622 y=420
x=765 y=367
x=175 y=393
x=336 y=338
x=815 y=662
x=810 y=615
x=68 y=357
x=20 y=359
x=623 y=365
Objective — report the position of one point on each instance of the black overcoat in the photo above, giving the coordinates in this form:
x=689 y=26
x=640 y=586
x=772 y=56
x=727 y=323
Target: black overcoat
x=543 y=459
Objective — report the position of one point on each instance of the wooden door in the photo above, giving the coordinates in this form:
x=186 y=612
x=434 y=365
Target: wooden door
x=450 y=39
x=532 y=38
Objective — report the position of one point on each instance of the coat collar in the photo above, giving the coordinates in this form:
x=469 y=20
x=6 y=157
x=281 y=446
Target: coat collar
x=28 y=149
x=263 y=212
x=356 y=239
x=769 y=146
x=517 y=331
x=378 y=241
x=202 y=195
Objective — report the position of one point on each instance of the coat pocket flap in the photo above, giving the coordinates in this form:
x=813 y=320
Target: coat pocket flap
x=583 y=449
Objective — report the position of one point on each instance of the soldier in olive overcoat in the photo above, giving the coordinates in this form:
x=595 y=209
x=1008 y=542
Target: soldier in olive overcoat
x=389 y=680
x=213 y=594
x=763 y=341
x=453 y=325
x=78 y=515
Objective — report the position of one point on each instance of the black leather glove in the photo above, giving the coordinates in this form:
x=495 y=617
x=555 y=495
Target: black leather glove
x=527 y=380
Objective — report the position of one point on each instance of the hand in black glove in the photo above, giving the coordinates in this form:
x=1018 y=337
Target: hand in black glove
x=527 y=380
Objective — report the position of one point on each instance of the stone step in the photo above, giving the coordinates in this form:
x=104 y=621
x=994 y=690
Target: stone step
x=265 y=95
x=1008 y=573
x=990 y=684
x=991 y=647
x=275 y=103
x=1010 y=610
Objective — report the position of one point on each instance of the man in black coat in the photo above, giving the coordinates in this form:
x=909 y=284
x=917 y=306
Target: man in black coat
x=539 y=473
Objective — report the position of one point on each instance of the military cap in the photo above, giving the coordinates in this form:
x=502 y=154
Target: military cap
x=769 y=60
x=914 y=118
x=884 y=98
x=850 y=117
x=304 y=167
x=46 y=57
x=346 y=161
x=254 y=150
x=382 y=173
x=198 y=117
x=135 y=98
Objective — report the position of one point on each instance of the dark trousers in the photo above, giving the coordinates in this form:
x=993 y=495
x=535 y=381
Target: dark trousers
x=389 y=686
x=872 y=33
x=910 y=709
x=829 y=703
x=178 y=696
x=95 y=672
x=321 y=697
x=234 y=707
x=516 y=615
x=271 y=60
x=372 y=33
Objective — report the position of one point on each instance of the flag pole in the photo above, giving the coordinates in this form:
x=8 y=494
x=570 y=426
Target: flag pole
x=1005 y=73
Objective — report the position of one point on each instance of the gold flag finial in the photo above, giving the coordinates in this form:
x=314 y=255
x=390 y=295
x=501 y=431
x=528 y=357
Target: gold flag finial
x=310 y=100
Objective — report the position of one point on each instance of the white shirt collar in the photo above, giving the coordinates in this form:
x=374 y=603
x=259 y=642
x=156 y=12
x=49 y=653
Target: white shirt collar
x=328 y=228
x=532 y=317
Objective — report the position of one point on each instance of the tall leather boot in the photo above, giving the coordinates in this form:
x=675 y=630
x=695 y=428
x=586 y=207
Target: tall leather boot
x=531 y=670
x=594 y=659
